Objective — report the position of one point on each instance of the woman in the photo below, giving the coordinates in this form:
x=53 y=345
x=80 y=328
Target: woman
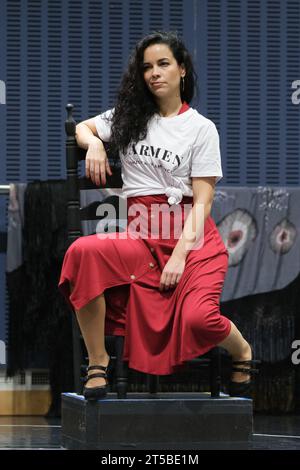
x=161 y=292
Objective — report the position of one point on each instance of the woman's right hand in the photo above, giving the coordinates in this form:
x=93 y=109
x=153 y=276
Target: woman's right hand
x=96 y=163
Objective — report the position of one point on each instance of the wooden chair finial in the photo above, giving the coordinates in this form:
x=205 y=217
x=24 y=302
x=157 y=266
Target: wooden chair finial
x=70 y=124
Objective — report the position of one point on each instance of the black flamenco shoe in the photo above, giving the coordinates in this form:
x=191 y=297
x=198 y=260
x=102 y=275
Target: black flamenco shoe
x=96 y=393
x=243 y=389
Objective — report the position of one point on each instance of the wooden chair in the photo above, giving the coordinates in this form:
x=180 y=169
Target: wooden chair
x=76 y=214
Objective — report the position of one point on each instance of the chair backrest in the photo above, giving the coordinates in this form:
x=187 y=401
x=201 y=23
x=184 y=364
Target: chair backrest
x=74 y=154
x=77 y=215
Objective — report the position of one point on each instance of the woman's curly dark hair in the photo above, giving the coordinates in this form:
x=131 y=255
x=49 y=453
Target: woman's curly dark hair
x=135 y=104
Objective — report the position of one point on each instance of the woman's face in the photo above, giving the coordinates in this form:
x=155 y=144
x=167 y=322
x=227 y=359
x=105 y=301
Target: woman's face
x=162 y=73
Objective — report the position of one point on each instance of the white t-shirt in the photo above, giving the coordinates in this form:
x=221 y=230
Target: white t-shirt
x=175 y=149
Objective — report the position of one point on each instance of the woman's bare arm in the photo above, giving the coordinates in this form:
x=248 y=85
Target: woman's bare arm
x=86 y=134
x=96 y=161
x=193 y=230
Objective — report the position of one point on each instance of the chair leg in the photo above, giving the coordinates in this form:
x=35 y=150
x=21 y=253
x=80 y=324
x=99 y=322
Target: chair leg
x=77 y=356
x=152 y=383
x=121 y=370
x=215 y=372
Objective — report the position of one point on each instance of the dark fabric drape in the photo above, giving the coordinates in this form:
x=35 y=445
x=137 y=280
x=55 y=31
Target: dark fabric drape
x=39 y=327
x=270 y=323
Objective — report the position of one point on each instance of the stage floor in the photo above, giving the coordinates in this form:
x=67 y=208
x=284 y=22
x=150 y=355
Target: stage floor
x=270 y=432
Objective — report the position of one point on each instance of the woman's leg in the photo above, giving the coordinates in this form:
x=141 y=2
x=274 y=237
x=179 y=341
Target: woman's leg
x=239 y=349
x=91 y=320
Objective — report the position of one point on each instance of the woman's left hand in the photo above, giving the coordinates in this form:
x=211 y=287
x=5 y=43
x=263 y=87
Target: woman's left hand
x=172 y=273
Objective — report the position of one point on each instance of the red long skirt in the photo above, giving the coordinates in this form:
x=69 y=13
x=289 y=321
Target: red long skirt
x=162 y=329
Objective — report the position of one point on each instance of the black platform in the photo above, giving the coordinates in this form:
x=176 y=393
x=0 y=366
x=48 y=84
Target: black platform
x=160 y=421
